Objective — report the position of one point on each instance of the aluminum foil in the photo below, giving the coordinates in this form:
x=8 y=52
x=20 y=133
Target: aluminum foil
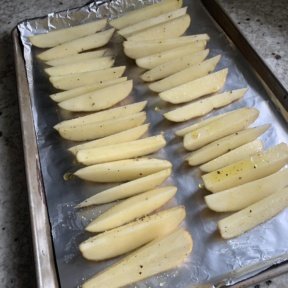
x=213 y=259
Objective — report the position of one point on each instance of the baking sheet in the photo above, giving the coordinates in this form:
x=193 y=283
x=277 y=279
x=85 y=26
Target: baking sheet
x=213 y=260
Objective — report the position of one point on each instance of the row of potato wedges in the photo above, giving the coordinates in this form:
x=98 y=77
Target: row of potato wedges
x=223 y=144
x=239 y=173
x=90 y=83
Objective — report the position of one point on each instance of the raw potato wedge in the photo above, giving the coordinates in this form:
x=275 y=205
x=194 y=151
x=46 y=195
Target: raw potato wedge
x=68 y=94
x=131 y=209
x=109 y=114
x=248 y=218
x=121 y=151
x=79 y=67
x=242 y=196
x=86 y=78
x=196 y=88
x=174 y=66
x=132 y=235
x=156 y=257
x=140 y=14
x=230 y=123
x=123 y=170
x=151 y=61
x=121 y=137
x=57 y=37
x=187 y=75
x=99 y=99
x=204 y=106
x=255 y=167
x=150 y=22
x=128 y=189
x=139 y=49
x=198 y=157
x=169 y=29
x=235 y=155
x=186 y=130
x=78 y=45
x=101 y=129
x=78 y=57
x=225 y=144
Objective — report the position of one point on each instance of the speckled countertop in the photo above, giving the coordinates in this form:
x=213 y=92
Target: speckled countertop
x=264 y=23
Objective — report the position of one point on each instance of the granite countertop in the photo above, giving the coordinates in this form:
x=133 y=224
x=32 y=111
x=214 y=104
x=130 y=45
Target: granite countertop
x=263 y=22
x=265 y=25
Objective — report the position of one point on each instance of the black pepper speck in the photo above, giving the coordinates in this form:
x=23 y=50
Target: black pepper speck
x=277 y=57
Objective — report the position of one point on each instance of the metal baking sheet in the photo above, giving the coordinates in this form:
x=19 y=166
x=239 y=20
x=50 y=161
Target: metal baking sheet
x=213 y=260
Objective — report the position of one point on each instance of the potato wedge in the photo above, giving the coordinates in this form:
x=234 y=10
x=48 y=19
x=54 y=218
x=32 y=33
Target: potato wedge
x=225 y=144
x=199 y=124
x=259 y=212
x=234 y=155
x=109 y=114
x=131 y=209
x=121 y=151
x=76 y=58
x=128 y=189
x=68 y=94
x=60 y=36
x=169 y=29
x=78 y=45
x=150 y=22
x=86 y=78
x=230 y=123
x=151 y=61
x=121 y=137
x=79 y=67
x=101 y=129
x=99 y=99
x=198 y=157
x=242 y=196
x=132 y=235
x=196 y=88
x=156 y=257
x=174 y=66
x=140 y=14
x=255 y=167
x=139 y=49
x=196 y=71
x=204 y=106
x=123 y=170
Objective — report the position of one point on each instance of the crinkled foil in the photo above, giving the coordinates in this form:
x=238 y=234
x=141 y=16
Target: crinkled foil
x=213 y=260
